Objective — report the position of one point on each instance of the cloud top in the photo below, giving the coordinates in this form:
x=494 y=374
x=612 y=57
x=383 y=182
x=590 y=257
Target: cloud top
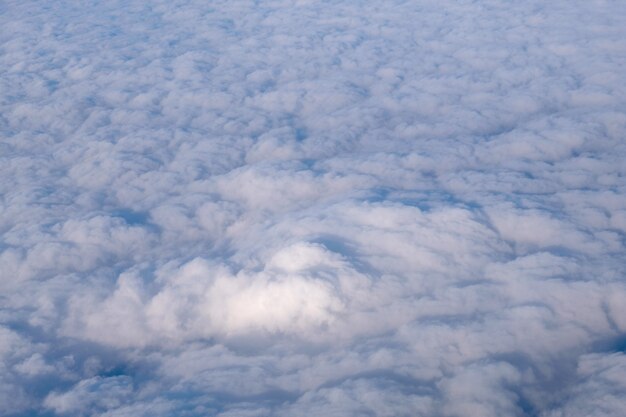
x=302 y=207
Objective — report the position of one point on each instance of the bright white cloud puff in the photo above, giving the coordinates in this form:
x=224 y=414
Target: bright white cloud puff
x=313 y=208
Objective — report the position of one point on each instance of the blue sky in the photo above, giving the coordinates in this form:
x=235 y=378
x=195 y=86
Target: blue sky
x=320 y=208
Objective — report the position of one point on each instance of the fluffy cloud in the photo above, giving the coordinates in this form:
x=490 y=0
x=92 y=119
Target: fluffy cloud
x=302 y=207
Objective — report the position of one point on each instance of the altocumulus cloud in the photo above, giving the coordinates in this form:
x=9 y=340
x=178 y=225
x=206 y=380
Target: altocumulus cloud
x=313 y=208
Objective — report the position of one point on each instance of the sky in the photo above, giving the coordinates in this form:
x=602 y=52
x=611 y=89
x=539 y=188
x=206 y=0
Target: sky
x=322 y=208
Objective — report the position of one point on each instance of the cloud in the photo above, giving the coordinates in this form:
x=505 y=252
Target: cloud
x=312 y=208
x=301 y=288
x=599 y=387
x=91 y=395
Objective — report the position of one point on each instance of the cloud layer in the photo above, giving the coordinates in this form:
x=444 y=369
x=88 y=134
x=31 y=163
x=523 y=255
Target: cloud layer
x=320 y=208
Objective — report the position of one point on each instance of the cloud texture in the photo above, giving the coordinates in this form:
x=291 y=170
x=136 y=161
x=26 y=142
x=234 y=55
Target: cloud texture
x=313 y=208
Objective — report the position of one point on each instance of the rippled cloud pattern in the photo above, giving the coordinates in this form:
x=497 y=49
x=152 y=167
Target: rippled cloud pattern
x=313 y=208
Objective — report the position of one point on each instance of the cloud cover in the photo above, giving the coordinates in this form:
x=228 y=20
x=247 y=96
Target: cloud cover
x=321 y=208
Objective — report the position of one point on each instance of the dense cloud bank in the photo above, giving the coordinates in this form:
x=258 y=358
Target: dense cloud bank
x=313 y=208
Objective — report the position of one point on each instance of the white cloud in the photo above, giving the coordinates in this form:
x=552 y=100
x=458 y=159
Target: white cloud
x=294 y=293
x=92 y=395
x=312 y=208
x=599 y=388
